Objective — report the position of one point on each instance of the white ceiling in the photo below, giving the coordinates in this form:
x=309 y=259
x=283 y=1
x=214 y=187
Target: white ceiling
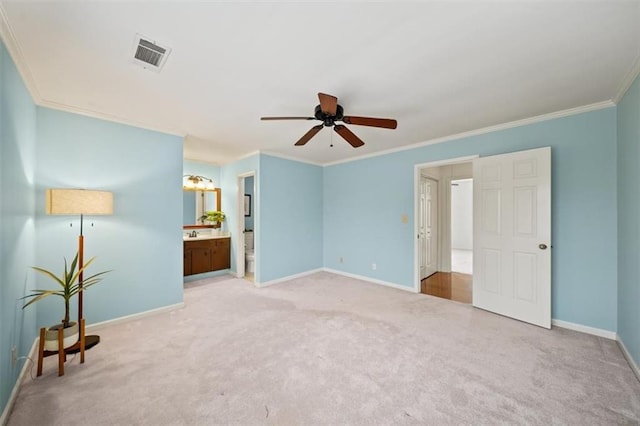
x=439 y=68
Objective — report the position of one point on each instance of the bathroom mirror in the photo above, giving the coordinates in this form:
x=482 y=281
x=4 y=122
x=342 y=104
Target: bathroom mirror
x=196 y=203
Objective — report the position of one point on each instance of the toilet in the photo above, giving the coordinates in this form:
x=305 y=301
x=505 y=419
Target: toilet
x=249 y=256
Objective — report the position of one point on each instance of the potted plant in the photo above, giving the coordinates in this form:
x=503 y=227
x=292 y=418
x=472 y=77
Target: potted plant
x=215 y=216
x=69 y=287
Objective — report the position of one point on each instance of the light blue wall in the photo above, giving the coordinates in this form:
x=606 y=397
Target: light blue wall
x=291 y=210
x=142 y=241
x=189 y=197
x=230 y=204
x=248 y=189
x=17 y=231
x=629 y=220
x=365 y=200
x=190 y=167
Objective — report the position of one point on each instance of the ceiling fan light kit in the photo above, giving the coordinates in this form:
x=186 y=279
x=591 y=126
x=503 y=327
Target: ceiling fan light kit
x=328 y=112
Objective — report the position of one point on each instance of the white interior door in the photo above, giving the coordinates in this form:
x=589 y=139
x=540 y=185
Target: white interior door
x=512 y=235
x=428 y=227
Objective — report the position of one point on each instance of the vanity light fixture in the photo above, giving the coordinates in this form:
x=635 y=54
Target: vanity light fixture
x=197 y=183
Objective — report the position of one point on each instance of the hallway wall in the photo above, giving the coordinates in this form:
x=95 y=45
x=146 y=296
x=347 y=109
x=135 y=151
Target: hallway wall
x=462 y=214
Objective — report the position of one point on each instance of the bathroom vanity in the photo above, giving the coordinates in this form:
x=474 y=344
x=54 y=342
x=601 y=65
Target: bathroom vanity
x=204 y=247
x=206 y=253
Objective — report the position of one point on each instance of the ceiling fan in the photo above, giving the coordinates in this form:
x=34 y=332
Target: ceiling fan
x=329 y=112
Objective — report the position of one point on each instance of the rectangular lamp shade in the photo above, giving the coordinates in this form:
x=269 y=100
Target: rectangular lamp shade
x=79 y=201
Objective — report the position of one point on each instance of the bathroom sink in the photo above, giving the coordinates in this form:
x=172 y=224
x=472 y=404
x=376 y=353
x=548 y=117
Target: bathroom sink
x=204 y=237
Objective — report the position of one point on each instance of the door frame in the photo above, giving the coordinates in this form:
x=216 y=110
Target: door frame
x=416 y=209
x=240 y=270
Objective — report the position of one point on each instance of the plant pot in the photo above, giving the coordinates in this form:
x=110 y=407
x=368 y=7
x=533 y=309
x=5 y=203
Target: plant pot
x=71 y=335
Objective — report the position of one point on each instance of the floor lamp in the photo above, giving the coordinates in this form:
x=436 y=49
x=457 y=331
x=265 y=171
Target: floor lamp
x=80 y=202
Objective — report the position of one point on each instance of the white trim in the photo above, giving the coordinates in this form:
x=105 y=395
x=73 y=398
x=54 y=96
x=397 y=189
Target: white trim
x=108 y=117
x=23 y=69
x=287 y=278
x=240 y=253
x=14 y=50
x=16 y=54
x=627 y=355
x=584 y=329
x=503 y=126
x=417 y=172
x=628 y=81
x=4 y=418
x=448 y=162
x=371 y=280
x=134 y=317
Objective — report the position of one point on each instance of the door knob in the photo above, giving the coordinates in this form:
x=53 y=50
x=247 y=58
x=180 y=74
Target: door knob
x=542 y=246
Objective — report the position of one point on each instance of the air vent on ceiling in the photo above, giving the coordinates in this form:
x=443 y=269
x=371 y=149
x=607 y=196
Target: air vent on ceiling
x=149 y=54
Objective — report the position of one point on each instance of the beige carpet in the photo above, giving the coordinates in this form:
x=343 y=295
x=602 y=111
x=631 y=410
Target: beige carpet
x=326 y=349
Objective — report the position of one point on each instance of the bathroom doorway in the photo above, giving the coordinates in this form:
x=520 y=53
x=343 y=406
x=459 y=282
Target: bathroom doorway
x=247 y=253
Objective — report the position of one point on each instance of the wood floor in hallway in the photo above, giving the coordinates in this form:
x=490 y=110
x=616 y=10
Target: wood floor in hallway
x=448 y=285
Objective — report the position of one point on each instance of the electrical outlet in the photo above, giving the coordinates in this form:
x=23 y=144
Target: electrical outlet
x=14 y=356
x=374 y=266
x=341 y=259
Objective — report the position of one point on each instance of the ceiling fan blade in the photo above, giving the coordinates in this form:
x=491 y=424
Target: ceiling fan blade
x=328 y=104
x=386 y=123
x=307 y=136
x=348 y=135
x=288 y=118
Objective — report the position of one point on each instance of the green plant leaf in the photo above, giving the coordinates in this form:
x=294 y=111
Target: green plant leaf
x=40 y=296
x=49 y=274
x=68 y=282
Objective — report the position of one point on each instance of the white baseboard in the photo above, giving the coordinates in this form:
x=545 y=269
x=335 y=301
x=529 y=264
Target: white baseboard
x=584 y=329
x=627 y=355
x=371 y=280
x=16 y=386
x=134 y=317
x=287 y=278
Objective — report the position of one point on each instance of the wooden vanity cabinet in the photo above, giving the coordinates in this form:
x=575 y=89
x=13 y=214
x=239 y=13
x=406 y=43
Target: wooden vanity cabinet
x=206 y=255
x=221 y=258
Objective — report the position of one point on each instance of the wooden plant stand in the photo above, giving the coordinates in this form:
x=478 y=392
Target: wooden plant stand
x=79 y=346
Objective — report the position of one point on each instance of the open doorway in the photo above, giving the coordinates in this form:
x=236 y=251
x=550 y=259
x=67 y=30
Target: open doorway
x=445 y=230
x=246 y=258
x=511 y=232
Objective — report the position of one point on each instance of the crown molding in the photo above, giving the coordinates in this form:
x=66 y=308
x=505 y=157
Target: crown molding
x=509 y=125
x=15 y=52
x=628 y=81
x=108 y=117
x=6 y=33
